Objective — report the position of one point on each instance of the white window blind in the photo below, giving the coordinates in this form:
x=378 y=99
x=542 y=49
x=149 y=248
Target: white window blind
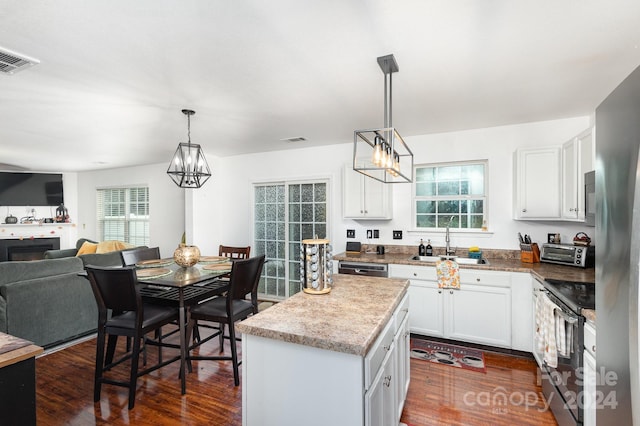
x=123 y=214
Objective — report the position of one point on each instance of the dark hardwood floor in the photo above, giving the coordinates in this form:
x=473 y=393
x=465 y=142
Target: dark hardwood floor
x=438 y=394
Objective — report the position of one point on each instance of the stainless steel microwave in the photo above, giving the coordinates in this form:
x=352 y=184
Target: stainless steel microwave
x=590 y=198
x=569 y=254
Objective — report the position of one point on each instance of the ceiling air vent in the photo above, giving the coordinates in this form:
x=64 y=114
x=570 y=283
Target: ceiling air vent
x=295 y=139
x=12 y=62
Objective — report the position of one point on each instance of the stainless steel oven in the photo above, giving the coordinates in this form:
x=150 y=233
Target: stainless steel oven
x=563 y=385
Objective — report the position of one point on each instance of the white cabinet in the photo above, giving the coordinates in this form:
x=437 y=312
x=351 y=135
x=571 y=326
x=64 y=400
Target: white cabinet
x=427 y=315
x=577 y=158
x=479 y=312
x=364 y=197
x=537 y=183
x=589 y=363
x=388 y=364
x=380 y=398
x=522 y=311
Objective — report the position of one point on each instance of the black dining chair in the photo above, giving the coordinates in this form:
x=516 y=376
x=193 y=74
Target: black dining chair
x=115 y=289
x=133 y=256
x=245 y=276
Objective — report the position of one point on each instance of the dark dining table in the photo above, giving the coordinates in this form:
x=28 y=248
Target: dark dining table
x=183 y=287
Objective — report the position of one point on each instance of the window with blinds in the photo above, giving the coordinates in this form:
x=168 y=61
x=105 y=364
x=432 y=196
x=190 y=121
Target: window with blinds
x=123 y=215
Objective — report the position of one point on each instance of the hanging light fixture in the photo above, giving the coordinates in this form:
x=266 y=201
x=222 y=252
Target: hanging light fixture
x=189 y=168
x=381 y=153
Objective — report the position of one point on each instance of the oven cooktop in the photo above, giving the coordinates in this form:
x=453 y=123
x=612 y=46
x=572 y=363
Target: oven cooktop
x=576 y=295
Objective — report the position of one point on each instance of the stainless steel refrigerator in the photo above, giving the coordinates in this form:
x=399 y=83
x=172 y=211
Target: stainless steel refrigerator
x=618 y=254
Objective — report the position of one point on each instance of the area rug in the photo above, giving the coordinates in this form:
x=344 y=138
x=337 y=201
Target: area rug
x=446 y=354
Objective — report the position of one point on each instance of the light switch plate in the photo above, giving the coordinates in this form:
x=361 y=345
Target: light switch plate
x=369 y=233
x=376 y=233
x=397 y=235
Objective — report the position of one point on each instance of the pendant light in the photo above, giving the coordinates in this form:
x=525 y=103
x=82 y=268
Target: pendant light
x=189 y=168
x=381 y=153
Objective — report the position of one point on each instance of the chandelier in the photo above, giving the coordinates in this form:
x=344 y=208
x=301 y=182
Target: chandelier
x=381 y=153
x=189 y=168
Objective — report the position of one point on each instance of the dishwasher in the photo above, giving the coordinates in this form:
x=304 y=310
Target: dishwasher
x=363 y=268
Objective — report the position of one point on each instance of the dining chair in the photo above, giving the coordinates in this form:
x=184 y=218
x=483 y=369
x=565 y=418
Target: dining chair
x=115 y=289
x=245 y=276
x=234 y=252
x=133 y=256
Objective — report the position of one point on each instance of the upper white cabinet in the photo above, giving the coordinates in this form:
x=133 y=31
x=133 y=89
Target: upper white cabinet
x=537 y=183
x=577 y=158
x=364 y=197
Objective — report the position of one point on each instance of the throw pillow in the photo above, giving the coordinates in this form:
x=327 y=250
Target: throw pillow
x=109 y=246
x=87 y=248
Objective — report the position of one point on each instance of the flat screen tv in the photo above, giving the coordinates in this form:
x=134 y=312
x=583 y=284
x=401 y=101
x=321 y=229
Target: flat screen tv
x=30 y=189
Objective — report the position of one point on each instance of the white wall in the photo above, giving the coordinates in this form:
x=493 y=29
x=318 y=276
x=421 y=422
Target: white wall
x=166 y=210
x=222 y=208
x=220 y=212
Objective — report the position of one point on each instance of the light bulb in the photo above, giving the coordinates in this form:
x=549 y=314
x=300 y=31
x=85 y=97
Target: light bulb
x=377 y=155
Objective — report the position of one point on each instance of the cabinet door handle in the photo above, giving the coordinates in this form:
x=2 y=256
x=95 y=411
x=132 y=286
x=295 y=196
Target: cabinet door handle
x=387 y=380
x=439 y=291
x=478 y=279
x=593 y=348
x=415 y=274
x=524 y=210
x=387 y=347
x=450 y=291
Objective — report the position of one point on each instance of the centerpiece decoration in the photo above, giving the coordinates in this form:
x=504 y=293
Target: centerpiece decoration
x=186 y=255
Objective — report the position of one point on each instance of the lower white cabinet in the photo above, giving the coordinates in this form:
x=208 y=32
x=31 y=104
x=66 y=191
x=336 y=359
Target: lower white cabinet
x=385 y=396
x=479 y=312
x=380 y=398
x=589 y=365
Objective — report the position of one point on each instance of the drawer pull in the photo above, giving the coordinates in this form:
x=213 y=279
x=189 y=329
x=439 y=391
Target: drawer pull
x=387 y=347
x=415 y=274
x=478 y=279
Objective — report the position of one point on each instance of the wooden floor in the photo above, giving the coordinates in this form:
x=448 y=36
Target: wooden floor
x=438 y=395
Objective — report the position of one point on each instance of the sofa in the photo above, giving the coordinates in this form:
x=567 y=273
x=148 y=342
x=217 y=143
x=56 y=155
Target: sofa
x=50 y=302
x=111 y=258
x=47 y=301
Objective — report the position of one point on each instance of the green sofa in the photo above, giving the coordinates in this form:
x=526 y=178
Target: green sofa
x=97 y=259
x=46 y=301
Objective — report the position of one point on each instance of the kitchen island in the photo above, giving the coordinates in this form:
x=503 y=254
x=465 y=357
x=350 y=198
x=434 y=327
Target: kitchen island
x=339 y=358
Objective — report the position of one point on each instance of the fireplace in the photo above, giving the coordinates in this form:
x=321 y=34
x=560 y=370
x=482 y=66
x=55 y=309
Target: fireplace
x=26 y=249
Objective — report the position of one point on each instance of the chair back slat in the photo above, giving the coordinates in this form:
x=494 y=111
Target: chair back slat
x=234 y=252
x=245 y=276
x=115 y=289
x=133 y=256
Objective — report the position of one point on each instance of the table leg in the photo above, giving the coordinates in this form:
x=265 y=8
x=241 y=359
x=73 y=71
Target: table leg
x=183 y=343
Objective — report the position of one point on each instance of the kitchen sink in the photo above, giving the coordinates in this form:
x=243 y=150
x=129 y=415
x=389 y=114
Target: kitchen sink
x=459 y=260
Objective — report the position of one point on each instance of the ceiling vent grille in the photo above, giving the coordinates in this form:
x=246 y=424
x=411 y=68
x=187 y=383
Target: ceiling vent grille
x=12 y=62
x=294 y=139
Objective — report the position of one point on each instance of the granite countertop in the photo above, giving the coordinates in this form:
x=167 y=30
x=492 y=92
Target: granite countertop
x=14 y=349
x=348 y=319
x=539 y=270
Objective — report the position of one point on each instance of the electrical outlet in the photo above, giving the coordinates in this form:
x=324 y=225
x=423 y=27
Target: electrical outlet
x=351 y=233
x=397 y=235
x=369 y=233
x=376 y=233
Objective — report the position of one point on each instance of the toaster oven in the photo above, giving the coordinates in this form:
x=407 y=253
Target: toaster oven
x=569 y=254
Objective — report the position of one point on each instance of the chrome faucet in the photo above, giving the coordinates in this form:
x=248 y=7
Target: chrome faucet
x=447 y=240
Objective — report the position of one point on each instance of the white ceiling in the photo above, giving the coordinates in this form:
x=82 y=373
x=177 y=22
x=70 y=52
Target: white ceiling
x=114 y=74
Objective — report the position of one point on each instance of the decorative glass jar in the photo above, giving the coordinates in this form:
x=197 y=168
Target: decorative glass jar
x=186 y=256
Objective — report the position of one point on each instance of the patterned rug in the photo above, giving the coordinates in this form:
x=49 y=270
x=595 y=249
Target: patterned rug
x=446 y=354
